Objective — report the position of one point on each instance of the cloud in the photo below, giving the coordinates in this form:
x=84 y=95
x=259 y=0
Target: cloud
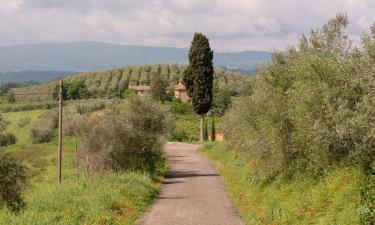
x=231 y=25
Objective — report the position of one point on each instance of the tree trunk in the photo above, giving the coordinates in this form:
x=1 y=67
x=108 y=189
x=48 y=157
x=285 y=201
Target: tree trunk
x=201 y=135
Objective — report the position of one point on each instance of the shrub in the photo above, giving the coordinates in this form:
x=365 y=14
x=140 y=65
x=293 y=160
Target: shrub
x=72 y=90
x=178 y=107
x=86 y=107
x=42 y=131
x=178 y=134
x=128 y=93
x=126 y=137
x=311 y=108
x=12 y=177
x=7 y=139
x=23 y=121
x=27 y=106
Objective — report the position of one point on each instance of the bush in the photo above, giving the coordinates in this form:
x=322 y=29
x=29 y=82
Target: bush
x=12 y=177
x=86 y=107
x=42 y=131
x=126 y=137
x=311 y=108
x=178 y=107
x=23 y=121
x=178 y=134
x=27 y=106
x=7 y=139
x=128 y=93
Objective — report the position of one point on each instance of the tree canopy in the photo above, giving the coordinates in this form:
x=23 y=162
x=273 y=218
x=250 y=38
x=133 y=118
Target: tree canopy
x=198 y=77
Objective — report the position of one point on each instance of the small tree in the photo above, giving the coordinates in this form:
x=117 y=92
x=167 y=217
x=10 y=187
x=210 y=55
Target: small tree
x=10 y=97
x=198 y=77
x=12 y=177
x=213 y=130
x=159 y=87
x=205 y=131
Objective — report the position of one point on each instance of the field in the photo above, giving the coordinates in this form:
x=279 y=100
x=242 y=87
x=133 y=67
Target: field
x=116 y=198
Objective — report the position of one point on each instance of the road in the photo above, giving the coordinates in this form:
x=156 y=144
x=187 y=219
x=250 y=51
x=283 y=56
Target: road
x=193 y=193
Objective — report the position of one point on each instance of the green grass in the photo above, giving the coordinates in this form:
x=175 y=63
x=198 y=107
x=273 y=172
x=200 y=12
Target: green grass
x=22 y=133
x=108 y=199
x=334 y=199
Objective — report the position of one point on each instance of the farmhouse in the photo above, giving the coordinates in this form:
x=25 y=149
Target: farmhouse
x=179 y=91
x=141 y=89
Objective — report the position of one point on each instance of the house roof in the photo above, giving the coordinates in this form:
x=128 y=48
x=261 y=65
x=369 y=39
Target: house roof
x=180 y=87
x=141 y=88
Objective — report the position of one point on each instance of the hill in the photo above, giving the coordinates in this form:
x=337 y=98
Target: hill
x=90 y=56
x=115 y=81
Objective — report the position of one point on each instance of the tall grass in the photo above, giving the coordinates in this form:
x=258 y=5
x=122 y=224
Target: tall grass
x=335 y=199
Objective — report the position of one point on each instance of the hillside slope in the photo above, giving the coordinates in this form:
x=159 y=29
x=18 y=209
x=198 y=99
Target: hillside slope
x=115 y=81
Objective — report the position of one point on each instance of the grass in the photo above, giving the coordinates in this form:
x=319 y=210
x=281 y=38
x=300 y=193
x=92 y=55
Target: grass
x=334 y=199
x=22 y=133
x=190 y=123
x=114 y=198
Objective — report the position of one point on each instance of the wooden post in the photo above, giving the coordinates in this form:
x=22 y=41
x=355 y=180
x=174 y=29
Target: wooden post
x=59 y=140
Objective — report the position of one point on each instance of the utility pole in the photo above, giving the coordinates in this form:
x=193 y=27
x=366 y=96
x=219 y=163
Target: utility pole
x=59 y=147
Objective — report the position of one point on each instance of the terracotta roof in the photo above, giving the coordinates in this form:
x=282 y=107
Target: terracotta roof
x=141 y=88
x=179 y=87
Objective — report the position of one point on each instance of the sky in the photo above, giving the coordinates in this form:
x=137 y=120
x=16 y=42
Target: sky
x=231 y=25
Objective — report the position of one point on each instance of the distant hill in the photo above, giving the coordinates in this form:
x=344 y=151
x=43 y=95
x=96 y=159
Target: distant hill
x=37 y=76
x=91 y=56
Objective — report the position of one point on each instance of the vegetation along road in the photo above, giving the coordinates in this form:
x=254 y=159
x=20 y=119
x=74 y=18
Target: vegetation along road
x=192 y=194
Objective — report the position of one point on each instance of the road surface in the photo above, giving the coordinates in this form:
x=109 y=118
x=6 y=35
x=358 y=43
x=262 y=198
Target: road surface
x=193 y=193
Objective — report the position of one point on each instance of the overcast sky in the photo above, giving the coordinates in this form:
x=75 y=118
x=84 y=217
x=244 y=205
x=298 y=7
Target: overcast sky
x=231 y=25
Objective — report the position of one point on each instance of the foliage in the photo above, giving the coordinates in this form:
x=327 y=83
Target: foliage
x=213 y=130
x=12 y=176
x=43 y=130
x=126 y=137
x=221 y=101
x=178 y=107
x=159 y=87
x=333 y=199
x=10 y=98
x=198 y=77
x=27 y=106
x=110 y=199
x=72 y=90
x=313 y=106
x=128 y=93
x=115 y=81
x=206 y=131
x=5 y=137
x=23 y=121
x=87 y=107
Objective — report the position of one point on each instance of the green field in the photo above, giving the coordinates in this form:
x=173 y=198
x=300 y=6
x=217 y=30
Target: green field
x=114 y=198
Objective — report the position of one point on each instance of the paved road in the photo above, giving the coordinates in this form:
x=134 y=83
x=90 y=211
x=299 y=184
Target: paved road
x=192 y=194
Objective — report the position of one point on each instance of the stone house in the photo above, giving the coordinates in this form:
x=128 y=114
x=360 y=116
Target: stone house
x=141 y=89
x=181 y=93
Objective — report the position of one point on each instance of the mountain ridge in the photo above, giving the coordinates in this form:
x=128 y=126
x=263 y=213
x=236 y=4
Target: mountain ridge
x=92 y=56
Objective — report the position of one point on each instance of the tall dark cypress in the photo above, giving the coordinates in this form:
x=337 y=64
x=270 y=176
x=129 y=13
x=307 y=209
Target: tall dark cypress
x=198 y=77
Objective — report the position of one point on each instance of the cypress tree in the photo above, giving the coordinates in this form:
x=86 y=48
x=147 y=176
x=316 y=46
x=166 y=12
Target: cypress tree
x=205 y=131
x=198 y=77
x=213 y=130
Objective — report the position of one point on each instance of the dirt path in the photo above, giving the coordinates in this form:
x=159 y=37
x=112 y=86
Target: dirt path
x=192 y=194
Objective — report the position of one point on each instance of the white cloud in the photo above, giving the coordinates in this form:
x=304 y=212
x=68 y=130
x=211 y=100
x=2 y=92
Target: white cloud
x=230 y=24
